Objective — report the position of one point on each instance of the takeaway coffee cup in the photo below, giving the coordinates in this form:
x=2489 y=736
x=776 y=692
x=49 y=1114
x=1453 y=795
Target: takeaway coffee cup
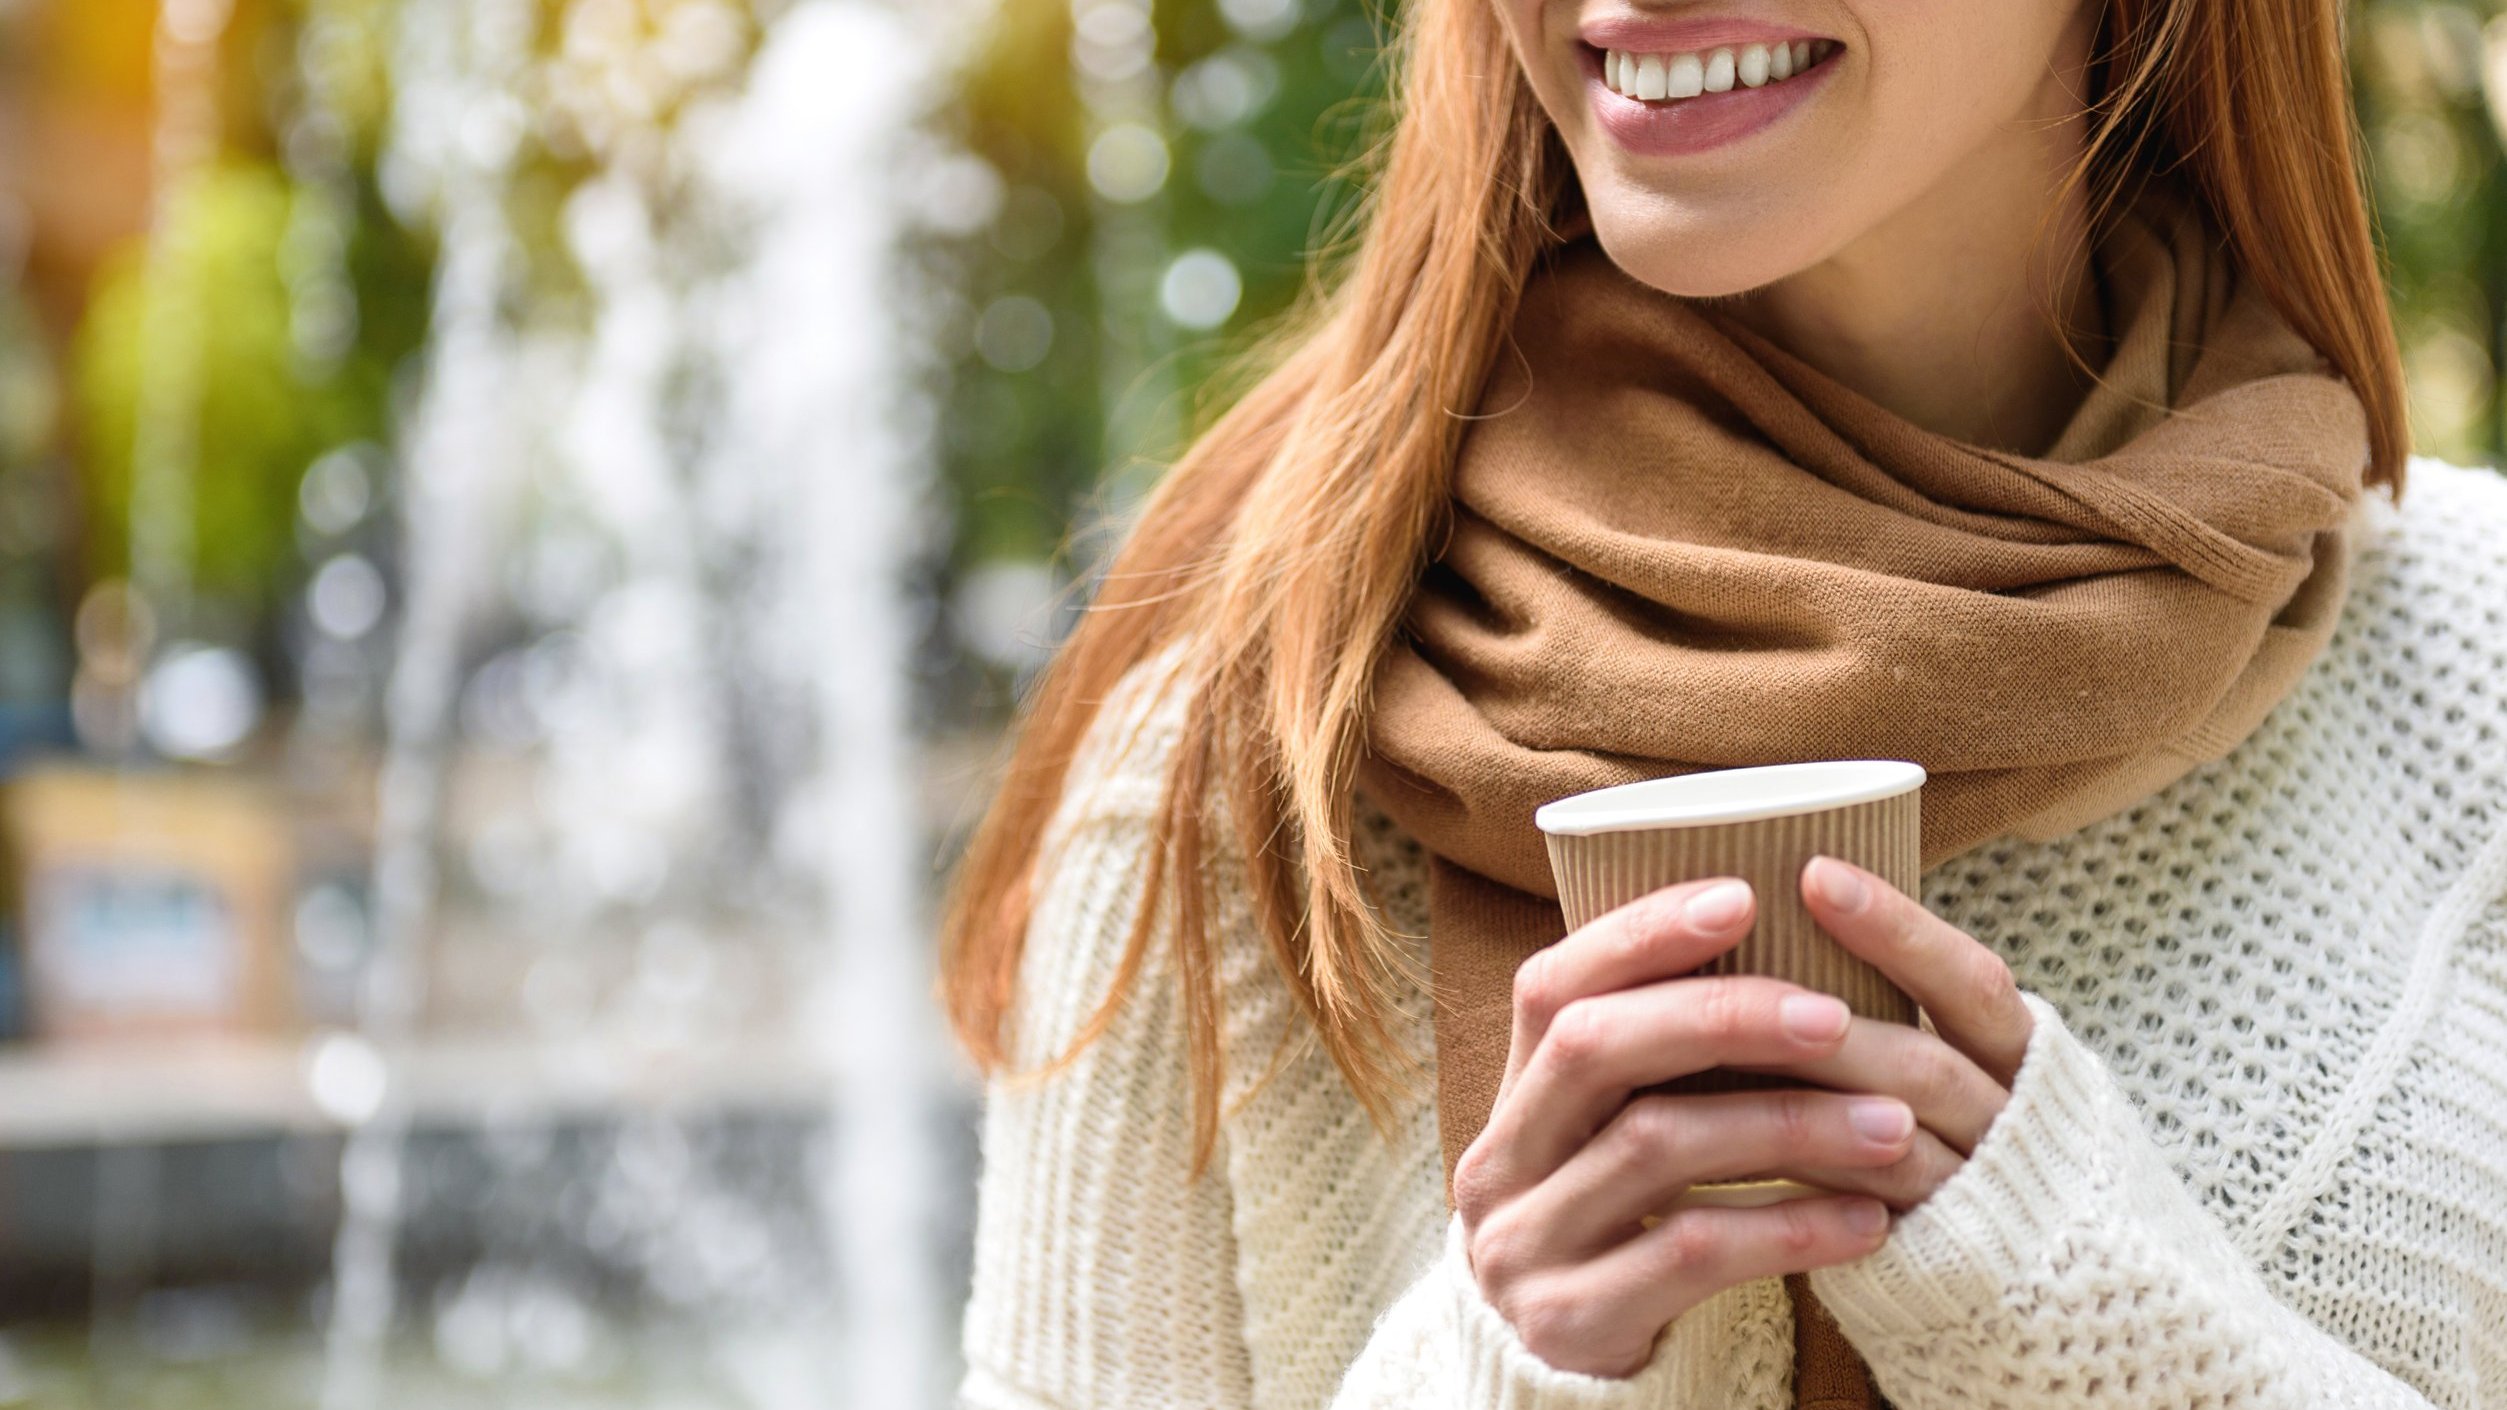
x=1612 y=845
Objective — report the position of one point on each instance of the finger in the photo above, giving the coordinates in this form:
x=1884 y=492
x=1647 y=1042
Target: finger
x=1699 y=1251
x=1656 y=936
x=1900 y=1184
x=1966 y=988
x=1953 y=1098
x=1601 y=1048
x=1659 y=1145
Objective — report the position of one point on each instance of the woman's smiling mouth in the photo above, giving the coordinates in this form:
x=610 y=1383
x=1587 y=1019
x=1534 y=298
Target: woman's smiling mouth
x=1654 y=78
x=1681 y=90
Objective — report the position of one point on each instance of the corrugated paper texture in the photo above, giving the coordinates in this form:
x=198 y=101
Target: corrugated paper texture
x=1603 y=870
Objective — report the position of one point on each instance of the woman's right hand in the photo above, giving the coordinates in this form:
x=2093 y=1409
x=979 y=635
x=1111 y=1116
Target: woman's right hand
x=1555 y=1191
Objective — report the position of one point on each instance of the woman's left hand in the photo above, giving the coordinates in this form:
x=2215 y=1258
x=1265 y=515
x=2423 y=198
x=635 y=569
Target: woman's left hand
x=1956 y=1076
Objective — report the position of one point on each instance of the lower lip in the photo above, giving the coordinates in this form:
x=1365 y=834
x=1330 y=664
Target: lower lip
x=1698 y=124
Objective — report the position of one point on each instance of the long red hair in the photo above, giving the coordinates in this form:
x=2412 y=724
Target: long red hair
x=1287 y=540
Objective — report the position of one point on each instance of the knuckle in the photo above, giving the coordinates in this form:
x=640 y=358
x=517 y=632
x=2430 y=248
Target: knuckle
x=1721 y=1014
x=1691 y=1247
x=1990 y=984
x=1475 y=1181
x=1575 y=1037
x=1650 y=1132
x=1899 y=918
x=1796 y=1117
x=1797 y=1232
x=1935 y=1074
x=1535 y=986
x=1917 y=1176
x=1500 y=1247
x=1627 y=936
x=1544 y=1321
x=1901 y=1182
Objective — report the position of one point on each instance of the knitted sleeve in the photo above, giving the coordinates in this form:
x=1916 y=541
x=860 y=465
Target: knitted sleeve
x=2066 y=1265
x=1443 y=1344
x=1102 y=1279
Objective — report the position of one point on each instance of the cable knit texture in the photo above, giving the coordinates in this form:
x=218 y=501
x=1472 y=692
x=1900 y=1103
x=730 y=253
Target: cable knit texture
x=2256 y=1155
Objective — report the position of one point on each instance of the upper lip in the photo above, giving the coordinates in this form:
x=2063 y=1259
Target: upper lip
x=1644 y=34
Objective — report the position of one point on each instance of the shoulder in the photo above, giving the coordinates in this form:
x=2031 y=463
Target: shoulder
x=2405 y=712
x=1092 y=867
x=2428 y=615
x=2450 y=524
x=1119 y=768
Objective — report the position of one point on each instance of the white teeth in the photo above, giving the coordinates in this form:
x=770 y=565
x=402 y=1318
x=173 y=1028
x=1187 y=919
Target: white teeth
x=1688 y=76
x=1655 y=78
x=1650 y=85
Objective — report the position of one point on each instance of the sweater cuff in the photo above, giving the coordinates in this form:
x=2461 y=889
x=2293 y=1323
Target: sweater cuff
x=2051 y=1161
x=1501 y=1373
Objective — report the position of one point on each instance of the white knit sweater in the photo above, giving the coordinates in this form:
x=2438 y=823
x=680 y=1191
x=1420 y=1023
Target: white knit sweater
x=2256 y=1155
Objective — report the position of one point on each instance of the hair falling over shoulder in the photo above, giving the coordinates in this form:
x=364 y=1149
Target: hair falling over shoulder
x=1287 y=540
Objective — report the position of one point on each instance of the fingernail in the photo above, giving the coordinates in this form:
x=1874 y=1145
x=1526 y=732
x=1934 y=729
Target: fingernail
x=1866 y=1217
x=1813 y=1018
x=1881 y=1119
x=1719 y=907
x=1838 y=884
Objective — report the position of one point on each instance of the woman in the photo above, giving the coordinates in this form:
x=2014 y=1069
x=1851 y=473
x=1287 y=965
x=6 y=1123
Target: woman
x=1997 y=384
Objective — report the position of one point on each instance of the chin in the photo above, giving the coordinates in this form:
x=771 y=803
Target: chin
x=1699 y=252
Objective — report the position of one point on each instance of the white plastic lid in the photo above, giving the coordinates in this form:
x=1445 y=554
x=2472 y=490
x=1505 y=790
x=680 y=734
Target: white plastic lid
x=1729 y=795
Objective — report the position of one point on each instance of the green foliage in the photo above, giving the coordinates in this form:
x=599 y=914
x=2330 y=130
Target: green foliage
x=2428 y=78
x=1257 y=124
x=262 y=415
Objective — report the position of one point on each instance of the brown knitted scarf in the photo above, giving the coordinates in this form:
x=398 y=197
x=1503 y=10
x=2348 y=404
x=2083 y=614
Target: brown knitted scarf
x=1675 y=547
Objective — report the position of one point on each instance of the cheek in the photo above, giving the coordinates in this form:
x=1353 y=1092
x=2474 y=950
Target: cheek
x=1539 y=56
x=1520 y=20
x=1921 y=108
x=1962 y=68
x=1939 y=94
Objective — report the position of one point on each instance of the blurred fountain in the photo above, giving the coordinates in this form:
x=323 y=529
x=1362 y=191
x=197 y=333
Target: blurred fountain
x=459 y=449
x=648 y=748
x=818 y=421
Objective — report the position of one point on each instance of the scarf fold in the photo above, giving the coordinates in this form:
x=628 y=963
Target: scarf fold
x=1676 y=547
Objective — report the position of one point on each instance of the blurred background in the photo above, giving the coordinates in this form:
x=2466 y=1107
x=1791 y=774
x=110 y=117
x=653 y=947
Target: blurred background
x=521 y=522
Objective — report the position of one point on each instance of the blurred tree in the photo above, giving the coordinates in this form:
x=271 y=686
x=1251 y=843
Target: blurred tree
x=2429 y=78
x=1257 y=103
x=262 y=419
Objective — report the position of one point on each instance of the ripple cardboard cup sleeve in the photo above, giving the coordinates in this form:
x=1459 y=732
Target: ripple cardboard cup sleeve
x=1612 y=845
